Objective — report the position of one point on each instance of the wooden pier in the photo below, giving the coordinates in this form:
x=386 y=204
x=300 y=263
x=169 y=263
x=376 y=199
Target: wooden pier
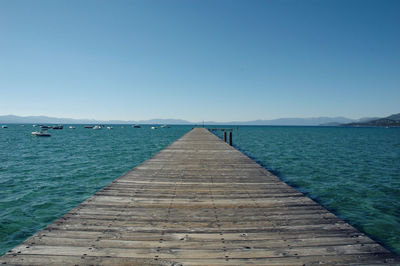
x=199 y=202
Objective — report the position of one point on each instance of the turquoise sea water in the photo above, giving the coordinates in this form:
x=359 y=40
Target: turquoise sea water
x=42 y=178
x=354 y=172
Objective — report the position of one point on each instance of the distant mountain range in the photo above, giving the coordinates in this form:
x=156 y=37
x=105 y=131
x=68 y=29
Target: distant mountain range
x=315 y=121
x=337 y=123
x=13 y=119
x=389 y=121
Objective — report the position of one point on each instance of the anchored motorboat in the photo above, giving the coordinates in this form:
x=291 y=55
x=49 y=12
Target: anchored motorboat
x=44 y=127
x=41 y=134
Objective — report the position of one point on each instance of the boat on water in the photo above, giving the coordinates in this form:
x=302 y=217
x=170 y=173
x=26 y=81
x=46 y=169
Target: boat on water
x=109 y=128
x=71 y=127
x=97 y=127
x=154 y=128
x=164 y=126
x=44 y=127
x=136 y=126
x=41 y=134
x=58 y=127
x=88 y=126
x=4 y=126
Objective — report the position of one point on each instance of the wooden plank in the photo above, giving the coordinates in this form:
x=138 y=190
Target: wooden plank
x=185 y=243
x=359 y=259
x=198 y=202
x=168 y=253
x=200 y=237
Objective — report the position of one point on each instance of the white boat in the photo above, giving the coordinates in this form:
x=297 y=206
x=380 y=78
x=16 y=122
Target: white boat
x=97 y=127
x=41 y=134
x=109 y=128
x=4 y=126
x=154 y=127
x=72 y=127
x=164 y=126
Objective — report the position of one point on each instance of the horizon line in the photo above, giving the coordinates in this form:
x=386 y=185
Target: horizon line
x=188 y=121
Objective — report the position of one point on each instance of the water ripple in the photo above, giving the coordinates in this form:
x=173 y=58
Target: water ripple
x=42 y=178
x=354 y=172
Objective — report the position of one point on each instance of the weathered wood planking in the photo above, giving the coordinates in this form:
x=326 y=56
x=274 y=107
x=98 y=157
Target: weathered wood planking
x=199 y=202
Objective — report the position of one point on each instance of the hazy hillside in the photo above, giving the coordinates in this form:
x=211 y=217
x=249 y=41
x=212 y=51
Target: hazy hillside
x=11 y=119
x=313 y=121
x=392 y=120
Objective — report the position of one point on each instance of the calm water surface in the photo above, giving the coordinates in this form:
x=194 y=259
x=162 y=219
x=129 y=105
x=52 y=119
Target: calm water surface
x=42 y=178
x=354 y=172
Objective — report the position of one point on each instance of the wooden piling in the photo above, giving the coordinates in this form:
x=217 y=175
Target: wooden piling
x=199 y=202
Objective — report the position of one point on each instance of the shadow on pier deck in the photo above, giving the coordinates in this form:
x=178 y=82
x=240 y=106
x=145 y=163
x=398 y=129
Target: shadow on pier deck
x=198 y=202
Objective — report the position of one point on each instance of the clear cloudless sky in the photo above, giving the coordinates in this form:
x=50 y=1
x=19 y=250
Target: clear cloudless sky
x=222 y=60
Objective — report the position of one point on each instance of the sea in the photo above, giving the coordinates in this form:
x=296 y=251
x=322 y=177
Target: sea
x=353 y=172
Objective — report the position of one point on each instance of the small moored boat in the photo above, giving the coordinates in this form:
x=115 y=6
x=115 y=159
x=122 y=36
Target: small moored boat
x=41 y=134
x=4 y=126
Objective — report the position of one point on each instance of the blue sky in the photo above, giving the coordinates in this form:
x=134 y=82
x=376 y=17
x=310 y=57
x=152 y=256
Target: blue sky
x=199 y=60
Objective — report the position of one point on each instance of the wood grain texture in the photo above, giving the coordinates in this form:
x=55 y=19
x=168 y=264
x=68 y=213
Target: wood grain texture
x=199 y=202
